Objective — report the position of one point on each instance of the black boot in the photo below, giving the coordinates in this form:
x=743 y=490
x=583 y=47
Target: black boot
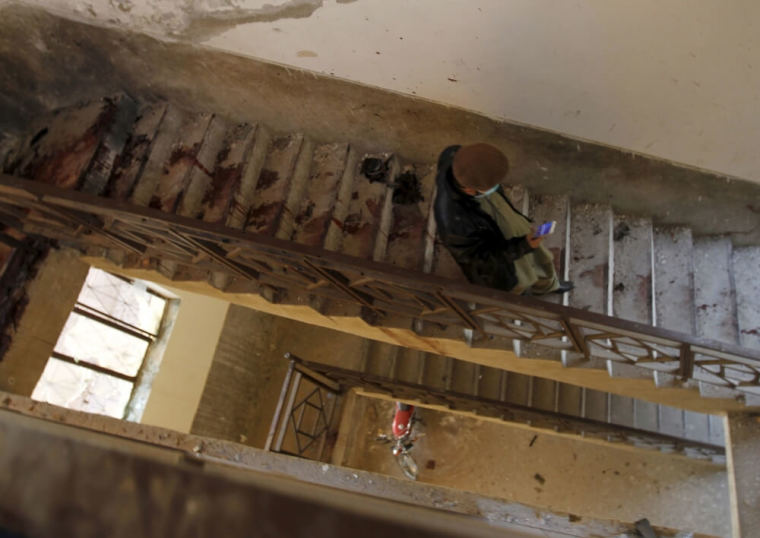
x=564 y=286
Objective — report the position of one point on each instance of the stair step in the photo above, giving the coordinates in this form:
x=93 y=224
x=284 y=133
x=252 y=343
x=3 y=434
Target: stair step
x=201 y=176
x=489 y=382
x=273 y=185
x=130 y=164
x=410 y=365
x=315 y=211
x=632 y=279
x=407 y=237
x=697 y=426
x=464 y=377
x=63 y=148
x=590 y=250
x=381 y=359
x=334 y=236
x=518 y=389
x=232 y=165
x=671 y=421
x=299 y=186
x=158 y=154
x=111 y=146
x=646 y=415
x=590 y=239
x=716 y=430
x=595 y=405
x=359 y=227
x=570 y=399
x=183 y=160
x=544 y=394
x=386 y=218
x=438 y=371
x=674 y=287
x=621 y=410
x=715 y=300
x=674 y=279
x=746 y=264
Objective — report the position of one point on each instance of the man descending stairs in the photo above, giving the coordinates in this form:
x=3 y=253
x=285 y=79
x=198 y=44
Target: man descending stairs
x=198 y=198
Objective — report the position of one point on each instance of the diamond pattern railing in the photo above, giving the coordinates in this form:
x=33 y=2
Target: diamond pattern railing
x=380 y=291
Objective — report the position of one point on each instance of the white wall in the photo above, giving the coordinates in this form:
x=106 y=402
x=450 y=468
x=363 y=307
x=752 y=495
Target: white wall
x=678 y=79
x=178 y=386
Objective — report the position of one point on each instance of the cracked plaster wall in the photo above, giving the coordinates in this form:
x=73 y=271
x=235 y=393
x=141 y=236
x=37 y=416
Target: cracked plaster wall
x=679 y=80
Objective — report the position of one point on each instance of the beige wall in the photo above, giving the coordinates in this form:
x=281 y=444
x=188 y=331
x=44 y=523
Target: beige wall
x=678 y=79
x=179 y=383
x=52 y=294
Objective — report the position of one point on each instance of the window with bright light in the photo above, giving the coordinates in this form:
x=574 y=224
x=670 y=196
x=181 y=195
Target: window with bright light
x=97 y=359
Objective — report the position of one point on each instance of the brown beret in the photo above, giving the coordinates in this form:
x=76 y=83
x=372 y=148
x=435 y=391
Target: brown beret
x=479 y=166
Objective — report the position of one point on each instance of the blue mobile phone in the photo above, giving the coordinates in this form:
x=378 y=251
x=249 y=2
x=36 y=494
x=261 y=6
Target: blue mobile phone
x=546 y=228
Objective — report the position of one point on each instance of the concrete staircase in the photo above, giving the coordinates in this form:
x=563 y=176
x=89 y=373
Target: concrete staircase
x=466 y=378
x=314 y=193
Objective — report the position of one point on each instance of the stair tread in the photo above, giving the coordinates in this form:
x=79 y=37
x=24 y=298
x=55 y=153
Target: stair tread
x=544 y=394
x=589 y=257
x=621 y=410
x=746 y=262
x=595 y=405
x=315 y=211
x=671 y=421
x=201 y=176
x=489 y=382
x=569 y=401
x=632 y=278
x=409 y=365
x=228 y=172
x=62 y=146
x=273 y=185
x=360 y=225
x=697 y=426
x=437 y=371
x=715 y=301
x=381 y=359
x=518 y=389
x=717 y=430
x=674 y=279
x=410 y=220
x=130 y=164
x=590 y=242
x=646 y=415
x=334 y=237
x=463 y=377
x=175 y=171
x=110 y=146
x=158 y=154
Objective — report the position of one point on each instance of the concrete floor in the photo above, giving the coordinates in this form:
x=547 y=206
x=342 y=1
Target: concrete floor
x=546 y=470
x=494 y=459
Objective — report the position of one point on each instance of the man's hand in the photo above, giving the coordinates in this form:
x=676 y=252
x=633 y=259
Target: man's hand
x=532 y=240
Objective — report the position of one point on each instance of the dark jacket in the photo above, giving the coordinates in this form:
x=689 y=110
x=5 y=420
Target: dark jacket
x=473 y=238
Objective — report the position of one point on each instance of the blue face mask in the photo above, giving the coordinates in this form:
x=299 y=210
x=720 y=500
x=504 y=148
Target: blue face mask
x=488 y=193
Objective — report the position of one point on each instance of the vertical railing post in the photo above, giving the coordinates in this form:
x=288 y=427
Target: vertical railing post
x=280 y=402
x=686 y=361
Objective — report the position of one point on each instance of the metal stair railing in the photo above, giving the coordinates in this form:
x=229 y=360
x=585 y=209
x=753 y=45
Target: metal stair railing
x=420 y=394
x=380 y=290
